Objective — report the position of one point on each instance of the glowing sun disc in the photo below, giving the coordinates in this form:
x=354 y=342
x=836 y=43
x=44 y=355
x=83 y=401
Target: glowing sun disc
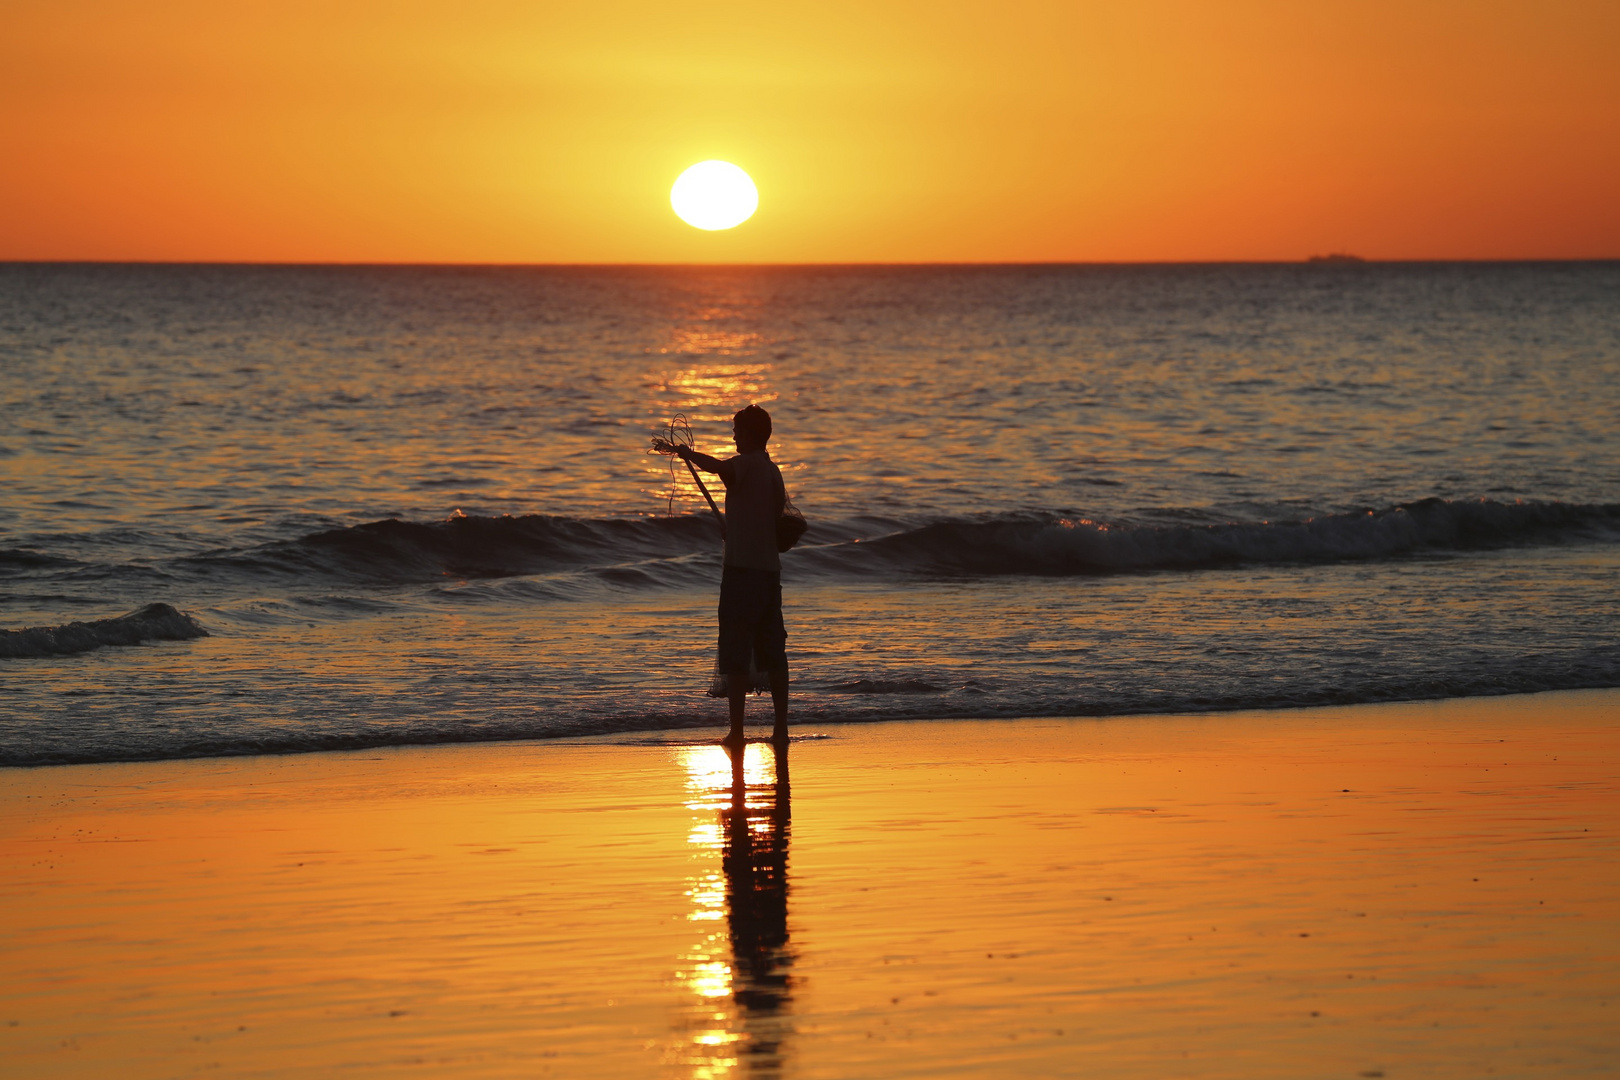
x=714 y=195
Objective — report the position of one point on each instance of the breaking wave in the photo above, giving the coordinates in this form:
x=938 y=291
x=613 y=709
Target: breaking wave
x=154 y=622
x=396 y=551
x=1063 y=547
x=579 y=555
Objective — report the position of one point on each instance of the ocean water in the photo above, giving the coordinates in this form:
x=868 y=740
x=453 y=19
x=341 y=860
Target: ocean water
x=264 y=509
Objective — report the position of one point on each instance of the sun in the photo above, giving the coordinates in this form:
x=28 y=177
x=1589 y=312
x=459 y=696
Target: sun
x=714 y=195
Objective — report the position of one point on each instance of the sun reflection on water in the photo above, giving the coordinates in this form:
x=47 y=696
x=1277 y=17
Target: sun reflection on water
x=708 y=395
x=704 y=341
x=712 y=386
x=737 y=1016
x=709 y=782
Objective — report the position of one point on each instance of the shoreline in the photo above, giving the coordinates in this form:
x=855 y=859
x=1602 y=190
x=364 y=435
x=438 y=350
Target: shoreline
x=719 y=721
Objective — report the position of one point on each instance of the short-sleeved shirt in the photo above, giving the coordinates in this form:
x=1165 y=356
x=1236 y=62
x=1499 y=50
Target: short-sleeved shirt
x=755 y=496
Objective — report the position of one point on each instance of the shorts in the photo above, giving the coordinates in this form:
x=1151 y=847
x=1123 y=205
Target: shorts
x=752 y=636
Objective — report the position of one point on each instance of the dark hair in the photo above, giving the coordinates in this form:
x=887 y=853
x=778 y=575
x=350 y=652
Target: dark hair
x=753 y=421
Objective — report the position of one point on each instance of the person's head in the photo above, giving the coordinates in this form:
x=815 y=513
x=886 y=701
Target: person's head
x=751 y=427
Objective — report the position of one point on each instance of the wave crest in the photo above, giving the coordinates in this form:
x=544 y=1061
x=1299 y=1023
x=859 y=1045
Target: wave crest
x=154 y=622
x=397 y=551
x=657 y=552
x=1062 y=547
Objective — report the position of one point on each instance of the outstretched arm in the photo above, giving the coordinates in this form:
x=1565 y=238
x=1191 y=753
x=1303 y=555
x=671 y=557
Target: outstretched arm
x=703 y=461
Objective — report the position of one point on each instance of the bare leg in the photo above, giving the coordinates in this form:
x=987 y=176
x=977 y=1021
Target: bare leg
x=779 y=698
x=737 y=685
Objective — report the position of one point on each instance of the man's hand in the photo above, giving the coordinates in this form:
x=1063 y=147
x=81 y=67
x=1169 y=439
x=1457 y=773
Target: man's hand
x=661 y=445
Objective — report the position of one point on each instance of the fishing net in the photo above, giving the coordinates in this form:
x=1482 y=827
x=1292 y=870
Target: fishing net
x=677 y=433
x=720 y=684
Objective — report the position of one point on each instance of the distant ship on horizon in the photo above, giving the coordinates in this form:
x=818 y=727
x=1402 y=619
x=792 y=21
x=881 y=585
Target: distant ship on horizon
x=1336 y=257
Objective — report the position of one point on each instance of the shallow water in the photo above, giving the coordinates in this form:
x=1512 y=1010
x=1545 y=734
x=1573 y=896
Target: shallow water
x=1033 y=490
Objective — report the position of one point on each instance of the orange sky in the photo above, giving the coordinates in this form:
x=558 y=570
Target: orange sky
x=494 y=131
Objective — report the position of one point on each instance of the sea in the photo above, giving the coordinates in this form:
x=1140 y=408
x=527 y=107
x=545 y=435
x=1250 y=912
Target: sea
x=273 y=509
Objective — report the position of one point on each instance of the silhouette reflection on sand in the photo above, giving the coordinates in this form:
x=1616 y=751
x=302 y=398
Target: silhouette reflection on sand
x=741 y=977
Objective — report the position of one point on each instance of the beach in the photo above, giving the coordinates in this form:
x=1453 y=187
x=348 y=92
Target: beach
x=1411 y=889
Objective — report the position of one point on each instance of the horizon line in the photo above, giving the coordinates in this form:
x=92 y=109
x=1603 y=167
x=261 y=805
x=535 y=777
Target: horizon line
x=1338 y=260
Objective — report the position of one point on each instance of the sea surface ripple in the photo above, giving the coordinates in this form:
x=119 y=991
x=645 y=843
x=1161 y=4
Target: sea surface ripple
x=275 y=508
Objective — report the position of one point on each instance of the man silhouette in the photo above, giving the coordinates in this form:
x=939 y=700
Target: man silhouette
x=752 y=636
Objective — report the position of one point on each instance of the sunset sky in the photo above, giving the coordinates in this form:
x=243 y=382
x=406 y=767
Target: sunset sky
x=493 y=131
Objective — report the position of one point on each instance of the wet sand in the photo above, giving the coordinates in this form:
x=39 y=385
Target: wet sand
x=1397 y=890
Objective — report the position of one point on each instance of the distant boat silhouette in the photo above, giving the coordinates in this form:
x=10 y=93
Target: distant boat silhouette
x=1336 y=257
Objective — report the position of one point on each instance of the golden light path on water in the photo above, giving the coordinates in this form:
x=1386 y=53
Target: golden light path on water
x=706 y=394
x=738 y=817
